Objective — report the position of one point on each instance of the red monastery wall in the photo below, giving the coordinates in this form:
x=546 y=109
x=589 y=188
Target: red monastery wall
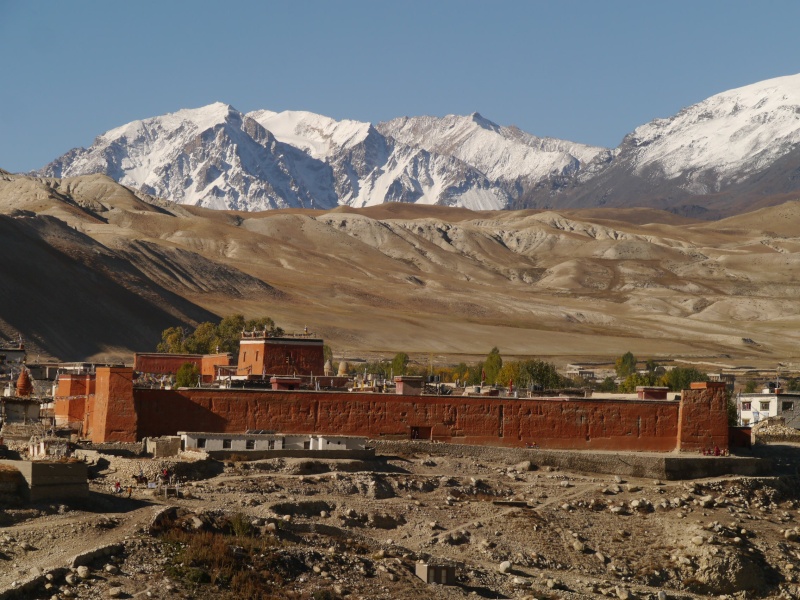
x=698 y=420
x=550 y=423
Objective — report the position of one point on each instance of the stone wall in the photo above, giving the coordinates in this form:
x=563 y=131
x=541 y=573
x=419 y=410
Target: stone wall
x=163 y=446
x=654 y=466
x=51 y=480
x=367 y=454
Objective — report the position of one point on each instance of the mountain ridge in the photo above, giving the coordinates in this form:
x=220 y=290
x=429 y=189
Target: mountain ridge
x=712 y=159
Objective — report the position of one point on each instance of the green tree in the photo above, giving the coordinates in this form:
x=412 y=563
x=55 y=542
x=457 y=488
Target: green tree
x=626 y=365
x=750 y=387
x=607 y=385
x=204 y=340
x=461 y=371
x=535 y=374
x=209 y=338
x=635 y=380
x=187 y=375
x=680 y=378
x=473 y=375
x=172 y=340
x=492 y=365
x=512 y=372
x=399 y=363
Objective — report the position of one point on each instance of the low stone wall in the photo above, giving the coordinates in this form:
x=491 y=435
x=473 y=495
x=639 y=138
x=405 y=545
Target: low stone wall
x=673 y=466
x=51 y=480
x=11 y=485
x=88 y=557
x=162 y=447
x=27 y=587
x=264 y=454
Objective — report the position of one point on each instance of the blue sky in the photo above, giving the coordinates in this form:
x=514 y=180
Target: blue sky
x=588 y=71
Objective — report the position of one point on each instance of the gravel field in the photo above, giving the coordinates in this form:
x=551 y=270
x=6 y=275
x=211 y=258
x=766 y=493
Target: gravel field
x=322 y=529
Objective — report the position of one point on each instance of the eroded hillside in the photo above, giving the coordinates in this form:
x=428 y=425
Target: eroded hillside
x=87 y=257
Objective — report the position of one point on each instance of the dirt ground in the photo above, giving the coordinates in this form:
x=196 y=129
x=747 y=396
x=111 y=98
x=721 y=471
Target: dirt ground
x=299 y=528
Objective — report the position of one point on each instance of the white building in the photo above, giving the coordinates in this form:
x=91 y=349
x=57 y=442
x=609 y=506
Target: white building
x=243 y=442
x=769 y=403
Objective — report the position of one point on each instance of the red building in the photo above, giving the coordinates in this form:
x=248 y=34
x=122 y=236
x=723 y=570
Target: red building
x=160 y=363
x=261 y=355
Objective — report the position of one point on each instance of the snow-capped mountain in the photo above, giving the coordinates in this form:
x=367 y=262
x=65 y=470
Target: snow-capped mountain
x=504 y=154
x=739 y=145
x=720 y=156
x=733 y=134
x=370 y=168
x=212 y=156
x=218 y=157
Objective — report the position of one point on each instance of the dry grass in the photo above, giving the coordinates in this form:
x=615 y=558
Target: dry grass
x=235 y=561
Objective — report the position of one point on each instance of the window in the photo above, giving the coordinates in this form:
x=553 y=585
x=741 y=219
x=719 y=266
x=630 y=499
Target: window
x=201 y=442
x=226 y=443
x=271 y=445
x=787 y=406
x=746 y=406
x=250 y=445
x=764 y=406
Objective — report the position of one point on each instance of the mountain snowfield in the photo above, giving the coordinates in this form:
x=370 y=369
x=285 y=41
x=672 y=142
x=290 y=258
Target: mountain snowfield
x=735 y=133
x=741 y=142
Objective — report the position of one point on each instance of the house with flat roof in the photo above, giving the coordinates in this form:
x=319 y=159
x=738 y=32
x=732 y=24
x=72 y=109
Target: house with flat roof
x=771 y=402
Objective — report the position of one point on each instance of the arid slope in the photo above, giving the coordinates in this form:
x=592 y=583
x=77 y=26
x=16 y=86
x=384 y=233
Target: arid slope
x=422 y=279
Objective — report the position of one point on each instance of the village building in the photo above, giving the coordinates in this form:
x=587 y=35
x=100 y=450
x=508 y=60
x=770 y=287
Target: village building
x=262 y=354
x=771 y=402
x=159 y=365
x=245 y=442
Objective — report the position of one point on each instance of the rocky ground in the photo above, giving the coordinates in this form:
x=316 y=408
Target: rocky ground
x=299 y=528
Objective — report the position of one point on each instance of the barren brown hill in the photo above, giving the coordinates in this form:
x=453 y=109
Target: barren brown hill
x=428 y=280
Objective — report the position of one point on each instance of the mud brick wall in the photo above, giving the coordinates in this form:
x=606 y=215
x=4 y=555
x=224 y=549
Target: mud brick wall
x=164 y=364
x=703 y=417
x=113 y=417
x=71 y=397
x=281 y=357
x=549 y=422
x=698 y=420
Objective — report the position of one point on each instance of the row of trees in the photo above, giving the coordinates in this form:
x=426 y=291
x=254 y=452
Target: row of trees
x=209 y=338
x=535 y=374
x=676 y=379
x=224 y=336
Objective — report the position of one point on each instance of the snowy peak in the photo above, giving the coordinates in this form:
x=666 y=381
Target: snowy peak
x=737 y=145
x=318 y=135
x=501 y=153
x=211 y=156
x=198 y=119
x=734 y=133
